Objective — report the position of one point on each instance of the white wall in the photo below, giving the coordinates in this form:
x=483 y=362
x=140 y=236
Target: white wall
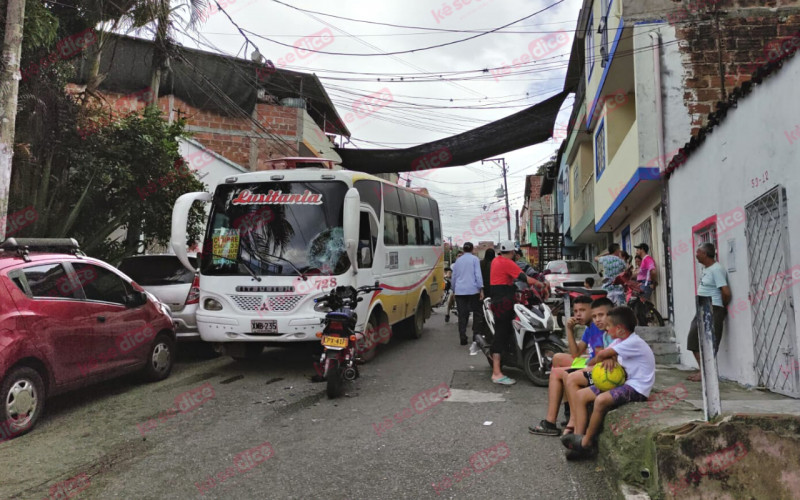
x=676 y=120
x=718 y=178
x=211 y=168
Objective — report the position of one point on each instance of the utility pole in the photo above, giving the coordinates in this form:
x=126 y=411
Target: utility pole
x=9 y=89
x=502 y=163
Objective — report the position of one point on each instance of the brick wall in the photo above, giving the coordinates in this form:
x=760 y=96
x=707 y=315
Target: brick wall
x=721 y=51
x=236 y=138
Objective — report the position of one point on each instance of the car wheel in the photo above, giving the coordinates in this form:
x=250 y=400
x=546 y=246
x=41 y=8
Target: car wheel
x=160 y=359
x=23 y=400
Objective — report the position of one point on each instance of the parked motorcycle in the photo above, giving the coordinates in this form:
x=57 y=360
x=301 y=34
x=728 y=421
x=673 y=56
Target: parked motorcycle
x=338 y=336
x=533 y=344
x=448 y=292
x=646 y=313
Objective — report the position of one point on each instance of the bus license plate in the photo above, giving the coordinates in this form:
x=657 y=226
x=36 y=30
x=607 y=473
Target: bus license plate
x=268 y=326
x=334 y=341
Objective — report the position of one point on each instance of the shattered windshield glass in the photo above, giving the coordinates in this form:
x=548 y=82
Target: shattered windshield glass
x=260 y=224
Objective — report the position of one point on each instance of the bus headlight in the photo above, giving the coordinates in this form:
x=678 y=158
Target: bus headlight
x=212 y=305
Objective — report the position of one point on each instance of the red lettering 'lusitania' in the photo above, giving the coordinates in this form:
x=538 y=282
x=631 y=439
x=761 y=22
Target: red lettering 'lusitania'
x=277 y=198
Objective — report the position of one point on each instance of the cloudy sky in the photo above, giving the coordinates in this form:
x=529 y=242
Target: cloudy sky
x=434 y=93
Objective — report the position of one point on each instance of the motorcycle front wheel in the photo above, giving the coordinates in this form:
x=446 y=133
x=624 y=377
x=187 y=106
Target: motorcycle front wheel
x=334 y=379
x=539 y=377
x=653 y=316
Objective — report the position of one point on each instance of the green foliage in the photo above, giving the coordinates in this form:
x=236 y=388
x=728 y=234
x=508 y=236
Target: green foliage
x=86 y=187
x=41 y=26
x=542 y=170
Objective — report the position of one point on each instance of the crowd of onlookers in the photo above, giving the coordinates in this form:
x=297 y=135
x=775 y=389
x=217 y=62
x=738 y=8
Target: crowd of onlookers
x=608 y=337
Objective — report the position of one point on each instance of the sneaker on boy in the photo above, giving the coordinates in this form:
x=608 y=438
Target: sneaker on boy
x=580 y=354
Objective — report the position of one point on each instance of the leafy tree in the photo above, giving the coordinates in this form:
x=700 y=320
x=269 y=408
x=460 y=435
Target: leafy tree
x=542 y=170
x=85 y=185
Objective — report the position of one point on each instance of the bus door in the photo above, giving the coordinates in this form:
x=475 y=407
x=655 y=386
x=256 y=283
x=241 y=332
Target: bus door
x=370 y=262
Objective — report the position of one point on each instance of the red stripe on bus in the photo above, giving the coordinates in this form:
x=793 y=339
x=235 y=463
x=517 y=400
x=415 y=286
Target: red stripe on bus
x=402 y=288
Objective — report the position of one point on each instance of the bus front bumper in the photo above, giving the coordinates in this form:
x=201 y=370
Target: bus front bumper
x=290 y=329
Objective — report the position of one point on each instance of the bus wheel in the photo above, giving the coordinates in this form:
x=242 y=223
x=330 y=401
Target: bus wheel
x=413 y=326
x=368 y=345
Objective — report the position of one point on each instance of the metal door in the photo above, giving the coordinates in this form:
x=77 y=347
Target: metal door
x=775 y=342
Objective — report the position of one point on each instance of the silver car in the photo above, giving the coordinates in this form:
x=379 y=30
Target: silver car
x=165 y=277
x=571 y=273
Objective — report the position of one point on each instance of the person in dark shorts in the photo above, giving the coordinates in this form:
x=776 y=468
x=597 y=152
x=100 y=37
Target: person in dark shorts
x=714 y=284
x=504 y=275
x=579 y=355
x=635 y=356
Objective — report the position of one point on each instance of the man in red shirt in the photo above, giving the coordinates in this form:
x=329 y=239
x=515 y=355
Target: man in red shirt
x=504 y=273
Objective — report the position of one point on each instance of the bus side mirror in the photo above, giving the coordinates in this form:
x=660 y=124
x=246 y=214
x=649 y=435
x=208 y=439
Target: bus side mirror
x=352 y=213
x=180 y=219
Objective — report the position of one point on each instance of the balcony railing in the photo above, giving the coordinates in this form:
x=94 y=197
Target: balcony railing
x=588 y=194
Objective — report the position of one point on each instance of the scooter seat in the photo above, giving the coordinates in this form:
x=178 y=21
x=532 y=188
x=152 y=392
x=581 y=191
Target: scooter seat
x=583 y=291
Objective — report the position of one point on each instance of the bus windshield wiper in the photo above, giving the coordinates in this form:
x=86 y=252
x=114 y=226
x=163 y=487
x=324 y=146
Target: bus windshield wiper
x=299 y=272
x=239 y=261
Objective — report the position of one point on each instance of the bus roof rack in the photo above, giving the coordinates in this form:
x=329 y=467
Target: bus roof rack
x=23 y=246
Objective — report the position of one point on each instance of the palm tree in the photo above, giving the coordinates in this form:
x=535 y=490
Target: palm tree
x=141 y=14
x=136 y=16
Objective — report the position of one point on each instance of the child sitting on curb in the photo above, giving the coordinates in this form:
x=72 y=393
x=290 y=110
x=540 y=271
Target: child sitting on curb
x=588 y=313
x=635 y=356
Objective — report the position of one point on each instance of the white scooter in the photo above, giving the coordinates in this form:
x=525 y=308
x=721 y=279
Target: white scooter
x=534 y=344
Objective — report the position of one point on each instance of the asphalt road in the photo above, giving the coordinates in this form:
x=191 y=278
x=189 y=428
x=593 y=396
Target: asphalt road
x=318 y=448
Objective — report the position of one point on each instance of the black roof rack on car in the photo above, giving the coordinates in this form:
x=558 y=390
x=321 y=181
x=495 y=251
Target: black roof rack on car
x=23 y=246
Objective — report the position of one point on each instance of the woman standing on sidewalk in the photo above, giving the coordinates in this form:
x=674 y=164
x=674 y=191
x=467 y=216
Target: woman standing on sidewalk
x=486 y=268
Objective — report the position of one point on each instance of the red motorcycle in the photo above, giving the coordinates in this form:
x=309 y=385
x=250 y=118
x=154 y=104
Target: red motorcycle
x=646 y=313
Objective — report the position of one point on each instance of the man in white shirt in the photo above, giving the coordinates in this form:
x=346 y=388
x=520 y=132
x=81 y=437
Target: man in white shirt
x=714 y=284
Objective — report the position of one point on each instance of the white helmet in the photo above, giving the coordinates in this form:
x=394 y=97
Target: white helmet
x=507 y=246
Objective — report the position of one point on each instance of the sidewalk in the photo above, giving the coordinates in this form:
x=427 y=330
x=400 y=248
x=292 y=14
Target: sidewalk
x=664 y=447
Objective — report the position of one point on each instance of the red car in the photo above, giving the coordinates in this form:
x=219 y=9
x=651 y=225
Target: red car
x=68 y=321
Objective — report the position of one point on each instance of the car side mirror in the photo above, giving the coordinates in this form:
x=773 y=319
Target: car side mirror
x=136 y=299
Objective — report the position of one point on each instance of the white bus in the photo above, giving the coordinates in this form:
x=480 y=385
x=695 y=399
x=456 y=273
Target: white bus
x=278 y=239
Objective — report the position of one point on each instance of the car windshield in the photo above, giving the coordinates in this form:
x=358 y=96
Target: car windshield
x=264 y=225
x=571 y=267
x=158 y=270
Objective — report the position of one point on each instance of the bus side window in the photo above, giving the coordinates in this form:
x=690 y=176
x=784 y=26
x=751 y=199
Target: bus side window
x=427 y=232
x=412 y=224
x=367 y=240
x=391 y=229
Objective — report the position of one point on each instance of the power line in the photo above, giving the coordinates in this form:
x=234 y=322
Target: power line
x=440 y=30
x=421 y=49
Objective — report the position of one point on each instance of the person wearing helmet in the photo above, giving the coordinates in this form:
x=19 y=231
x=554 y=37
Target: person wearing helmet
x=503 y=275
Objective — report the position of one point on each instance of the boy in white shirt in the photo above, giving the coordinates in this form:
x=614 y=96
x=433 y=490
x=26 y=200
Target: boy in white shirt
x=635 y=356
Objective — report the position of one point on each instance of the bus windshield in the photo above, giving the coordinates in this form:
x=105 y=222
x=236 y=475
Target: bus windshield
x=263 y=225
